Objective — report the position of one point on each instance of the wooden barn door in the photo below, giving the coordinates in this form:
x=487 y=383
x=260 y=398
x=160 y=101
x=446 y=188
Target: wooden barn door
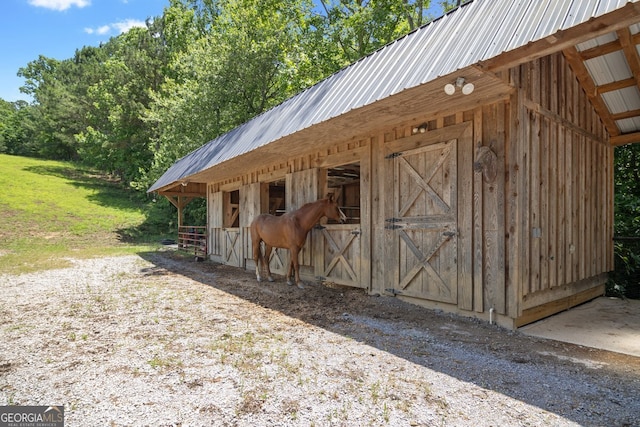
x=423 y=249
x=216 y=224
x=254 y=200
x=231 y=234
x=338 y=254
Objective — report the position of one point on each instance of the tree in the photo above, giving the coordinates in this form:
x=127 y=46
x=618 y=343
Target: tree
x=17 y=129
x=356 y=28
x=116 y=137
x=448 y=5
x=251 y=58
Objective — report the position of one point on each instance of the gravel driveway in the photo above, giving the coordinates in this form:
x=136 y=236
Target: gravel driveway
x=160 y=340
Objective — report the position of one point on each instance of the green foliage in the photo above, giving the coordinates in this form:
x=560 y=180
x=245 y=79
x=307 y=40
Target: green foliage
x=357 y=28
x=17 y=128
x=627 y=190
x=625 y=278
x=133 y=105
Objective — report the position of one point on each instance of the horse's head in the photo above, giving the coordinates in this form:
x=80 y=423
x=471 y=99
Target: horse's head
x=333 y=211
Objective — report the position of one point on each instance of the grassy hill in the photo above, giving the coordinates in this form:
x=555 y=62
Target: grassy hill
x=51 y=211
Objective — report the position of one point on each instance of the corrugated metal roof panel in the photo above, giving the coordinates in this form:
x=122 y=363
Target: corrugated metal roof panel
x=623 y=100
x=629 y=125
x=457 y=40
x=608 y=68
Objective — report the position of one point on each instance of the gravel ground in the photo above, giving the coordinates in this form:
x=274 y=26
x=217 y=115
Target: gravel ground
x=160 y=340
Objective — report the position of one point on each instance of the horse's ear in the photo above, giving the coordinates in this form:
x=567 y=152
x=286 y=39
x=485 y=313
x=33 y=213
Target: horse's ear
x=330 y=197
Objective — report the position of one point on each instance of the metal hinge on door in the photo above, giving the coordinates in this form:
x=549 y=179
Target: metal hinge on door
x=393 y=155
x=392 y=225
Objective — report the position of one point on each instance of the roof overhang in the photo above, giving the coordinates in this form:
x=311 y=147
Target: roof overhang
x=604 y=54
x=428 y=100
x=588 y=47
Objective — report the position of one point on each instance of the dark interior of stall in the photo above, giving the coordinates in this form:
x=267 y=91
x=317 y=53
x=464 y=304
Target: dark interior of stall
x=344 y=181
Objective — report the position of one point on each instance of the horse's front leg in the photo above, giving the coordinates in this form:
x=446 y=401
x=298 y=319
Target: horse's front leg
x=266 y=259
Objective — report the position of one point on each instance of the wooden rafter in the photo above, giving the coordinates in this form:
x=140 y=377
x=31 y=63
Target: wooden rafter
x=617 y=85
x=565 y=39
x=603 y=49
x=626 y=115
x=582 y=74
x=630 y=52
x=627 y=138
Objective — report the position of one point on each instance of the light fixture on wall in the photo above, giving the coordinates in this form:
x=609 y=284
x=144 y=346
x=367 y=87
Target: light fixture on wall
x=466 y=88
x=422 y=128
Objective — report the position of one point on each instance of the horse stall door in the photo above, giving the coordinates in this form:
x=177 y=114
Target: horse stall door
x=231 y=234
x=216 y=238
x=254 y=200
x=338 y=248
x=424 y=222
x=339 y=254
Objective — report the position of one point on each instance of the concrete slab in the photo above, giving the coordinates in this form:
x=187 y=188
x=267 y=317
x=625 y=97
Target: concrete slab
x=605 y=323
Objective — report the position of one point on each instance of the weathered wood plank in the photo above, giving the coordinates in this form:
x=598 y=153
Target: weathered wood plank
x=465 y=219
x=545 y=187
x=513 y=209
x=478 y=217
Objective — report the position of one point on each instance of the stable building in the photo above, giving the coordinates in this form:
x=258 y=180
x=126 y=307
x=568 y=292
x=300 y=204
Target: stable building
x=475 y=166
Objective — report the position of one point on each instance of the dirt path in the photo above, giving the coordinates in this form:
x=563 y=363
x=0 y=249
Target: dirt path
x=160 y=341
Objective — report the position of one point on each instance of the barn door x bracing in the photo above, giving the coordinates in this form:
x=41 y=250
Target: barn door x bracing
x=339 y=255
x=424 y=222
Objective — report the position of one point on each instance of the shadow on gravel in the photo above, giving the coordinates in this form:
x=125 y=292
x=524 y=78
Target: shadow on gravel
x=585 y=386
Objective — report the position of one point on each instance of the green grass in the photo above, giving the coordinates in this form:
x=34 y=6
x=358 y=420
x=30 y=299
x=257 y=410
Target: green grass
x=51 y=211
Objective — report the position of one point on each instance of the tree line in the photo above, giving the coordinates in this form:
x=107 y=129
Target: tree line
x=133 y=105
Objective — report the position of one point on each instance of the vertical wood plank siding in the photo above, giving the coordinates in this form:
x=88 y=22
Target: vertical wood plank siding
x=540 y=232
x=567 y=217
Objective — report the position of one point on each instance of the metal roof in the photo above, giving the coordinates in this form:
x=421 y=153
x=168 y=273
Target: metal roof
x=463 y=37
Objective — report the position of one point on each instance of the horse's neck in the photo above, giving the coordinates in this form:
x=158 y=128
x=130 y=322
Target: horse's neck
x=309 y=215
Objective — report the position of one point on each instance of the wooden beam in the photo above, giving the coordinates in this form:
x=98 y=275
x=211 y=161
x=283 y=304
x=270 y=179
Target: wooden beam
x=617 y=85
x=630 y=52
x=627 y=138
x=603 y=49
x=582 y=74
x=178 y=193
x=626 y=115
x=613 y=21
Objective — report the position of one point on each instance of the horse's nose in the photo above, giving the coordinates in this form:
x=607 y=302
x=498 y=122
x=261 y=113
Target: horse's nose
x=343 y=217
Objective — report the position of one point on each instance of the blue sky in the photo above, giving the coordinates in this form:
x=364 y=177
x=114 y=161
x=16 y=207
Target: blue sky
x=56 y=28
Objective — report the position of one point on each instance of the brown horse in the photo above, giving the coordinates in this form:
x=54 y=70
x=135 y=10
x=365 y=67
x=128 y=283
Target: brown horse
x=289 y=231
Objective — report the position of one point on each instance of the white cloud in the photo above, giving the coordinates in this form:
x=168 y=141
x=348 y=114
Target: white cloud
x=100 y=30
x=59 y=4
x=116 y=27
x=128 y=24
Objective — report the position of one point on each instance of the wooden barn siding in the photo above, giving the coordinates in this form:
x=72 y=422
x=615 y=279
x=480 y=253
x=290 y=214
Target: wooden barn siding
x=482 y=283
x=554 y=174
x=563 y=163
x=481 y=219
